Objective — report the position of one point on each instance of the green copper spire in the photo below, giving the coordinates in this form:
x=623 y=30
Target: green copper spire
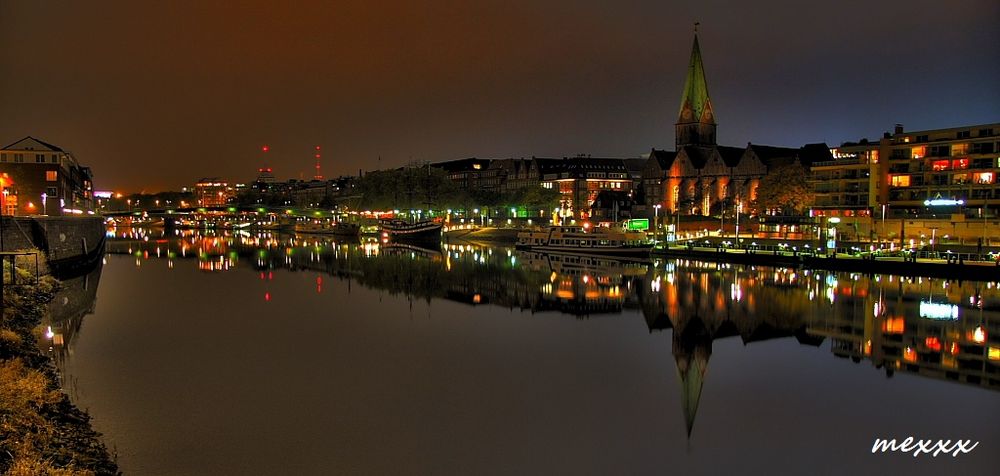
x=696 y=121
x=695 y=104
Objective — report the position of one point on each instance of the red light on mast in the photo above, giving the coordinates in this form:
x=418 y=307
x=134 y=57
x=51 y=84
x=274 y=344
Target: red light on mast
x=265 y=148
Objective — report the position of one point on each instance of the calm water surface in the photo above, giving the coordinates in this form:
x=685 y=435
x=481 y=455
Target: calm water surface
x=273 y=355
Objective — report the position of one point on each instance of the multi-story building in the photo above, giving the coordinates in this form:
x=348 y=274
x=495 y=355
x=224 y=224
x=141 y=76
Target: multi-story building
x=942 y=171
x=213 y=192
x=465 y=173
x=40 y=178
x=580 y=179
x=843 y=185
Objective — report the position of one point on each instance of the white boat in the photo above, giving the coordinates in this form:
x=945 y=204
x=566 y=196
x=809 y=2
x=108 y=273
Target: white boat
x=577 y=239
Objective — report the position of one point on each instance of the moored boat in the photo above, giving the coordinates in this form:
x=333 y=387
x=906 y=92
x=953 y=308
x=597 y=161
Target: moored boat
x=577 y=239
x=402 y=231
x=321 y=228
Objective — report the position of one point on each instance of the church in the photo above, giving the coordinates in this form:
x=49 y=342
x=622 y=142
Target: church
x=700 y=177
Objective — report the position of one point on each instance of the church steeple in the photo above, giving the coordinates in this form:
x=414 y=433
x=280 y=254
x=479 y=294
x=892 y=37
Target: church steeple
x=696 y=121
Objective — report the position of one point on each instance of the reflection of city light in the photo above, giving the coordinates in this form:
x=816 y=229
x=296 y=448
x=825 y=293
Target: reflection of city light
x=933 y=343
x=937 y=311
x=910 y=355
x=979 y=335
x=893 y=325
x=476 y=299
x=655 y=285
x=48 y=332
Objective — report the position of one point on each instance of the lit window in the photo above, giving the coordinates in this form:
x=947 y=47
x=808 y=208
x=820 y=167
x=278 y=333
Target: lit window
x=984 y=177
x=961 y=163
x=899 y=180
x=918 y=152
x=51 y=175
x=960 y=149
x=939 y=165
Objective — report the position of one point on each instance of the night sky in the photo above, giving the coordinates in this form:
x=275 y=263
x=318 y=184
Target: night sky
x=155 y=96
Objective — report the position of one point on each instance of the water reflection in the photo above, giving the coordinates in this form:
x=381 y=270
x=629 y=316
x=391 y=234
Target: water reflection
x=74 y=301
x=587 y=357
x=941 y=329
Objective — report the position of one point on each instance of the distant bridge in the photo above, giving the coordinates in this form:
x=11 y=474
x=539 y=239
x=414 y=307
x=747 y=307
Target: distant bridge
x=280 y=210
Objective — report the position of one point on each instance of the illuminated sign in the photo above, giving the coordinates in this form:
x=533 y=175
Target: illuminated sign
x=943 y=202
x=637 y=224
x=939 y=312
x=103 y=194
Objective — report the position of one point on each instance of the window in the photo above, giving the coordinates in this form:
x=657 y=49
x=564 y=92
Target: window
x=51 y=175
x=39 y=158
x=984 y=177
x=899 y=180
x=939 y=165
x=940 y=151
x=18 y=158
x=3 y=157
x=918 y=152
x=922 y=138
x=985 y=132
x=964 y=134
x=982 y=148
x=55 y=159
x=960 y=149
x=51 y=192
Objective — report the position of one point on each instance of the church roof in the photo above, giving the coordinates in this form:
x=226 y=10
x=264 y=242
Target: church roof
x=695 y=103
x=774 y=156
x=731 y=155
x=698 y=155
x=664 y=158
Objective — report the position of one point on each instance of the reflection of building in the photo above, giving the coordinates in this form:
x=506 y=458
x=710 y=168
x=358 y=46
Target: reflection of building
x=928 y=327
x=39 y=177
x=75 y=300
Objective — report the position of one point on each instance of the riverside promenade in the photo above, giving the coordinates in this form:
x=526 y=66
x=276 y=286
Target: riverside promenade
x=947 y=264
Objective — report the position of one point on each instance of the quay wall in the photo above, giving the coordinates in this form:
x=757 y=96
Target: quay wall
x=66 y=241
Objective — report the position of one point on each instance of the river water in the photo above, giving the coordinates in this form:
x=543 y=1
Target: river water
x=266 y=354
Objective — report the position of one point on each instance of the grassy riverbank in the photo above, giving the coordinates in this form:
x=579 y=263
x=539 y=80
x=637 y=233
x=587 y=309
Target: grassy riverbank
x=41 y=431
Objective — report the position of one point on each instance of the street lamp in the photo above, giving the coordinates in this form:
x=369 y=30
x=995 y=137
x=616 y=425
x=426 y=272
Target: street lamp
x=656 y=221
x=739 y=209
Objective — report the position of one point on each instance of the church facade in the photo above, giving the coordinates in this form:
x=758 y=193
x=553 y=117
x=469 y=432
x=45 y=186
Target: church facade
x=701 y=177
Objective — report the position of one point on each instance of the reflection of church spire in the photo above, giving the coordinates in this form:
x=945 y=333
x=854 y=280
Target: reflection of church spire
x=692 y=349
